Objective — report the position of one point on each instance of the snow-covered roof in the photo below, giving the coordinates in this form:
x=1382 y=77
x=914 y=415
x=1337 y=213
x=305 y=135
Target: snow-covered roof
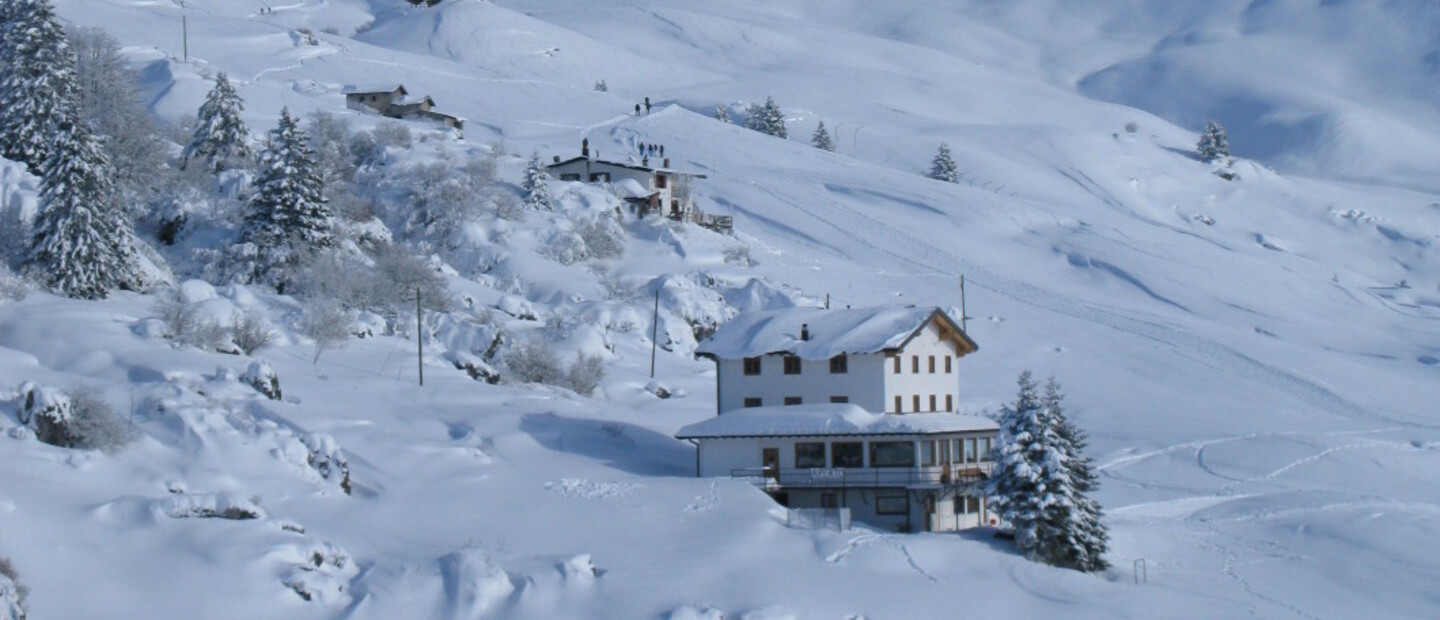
x=406 y=99
x=828 y=419
x=602 y=162
x=630 y=188
x=620 y=164
x=831 y=332
x=352 y=89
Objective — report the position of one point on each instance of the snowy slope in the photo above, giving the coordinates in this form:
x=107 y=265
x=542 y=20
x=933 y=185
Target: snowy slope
x=1258 y=387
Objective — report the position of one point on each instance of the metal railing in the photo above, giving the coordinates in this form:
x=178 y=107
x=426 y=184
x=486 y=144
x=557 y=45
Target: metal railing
x=818 y=518
x=845 y=477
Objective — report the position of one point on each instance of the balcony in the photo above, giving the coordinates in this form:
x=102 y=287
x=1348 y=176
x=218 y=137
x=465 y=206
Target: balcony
x=957 y=474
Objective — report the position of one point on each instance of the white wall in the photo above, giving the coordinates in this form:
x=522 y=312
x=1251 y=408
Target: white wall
x=718 y=457
x=908 y=383
x=863 y=383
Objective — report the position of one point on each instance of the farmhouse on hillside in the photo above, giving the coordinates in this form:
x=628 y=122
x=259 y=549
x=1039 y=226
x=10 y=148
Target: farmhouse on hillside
x=647 y=189
x=395 y=102
x=852 y=408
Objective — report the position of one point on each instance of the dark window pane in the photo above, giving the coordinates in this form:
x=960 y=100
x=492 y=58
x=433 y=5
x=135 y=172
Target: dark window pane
x=809 y=454
x=846 y=454
x=892 y=454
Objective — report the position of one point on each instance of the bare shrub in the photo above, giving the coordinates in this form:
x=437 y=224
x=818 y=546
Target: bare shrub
x=366 y=149
x=188 y=327
x=508 y=206
x=77 y=418
x=340 y=278
x=394 y=134
x=441 y=201
x=739 y=255
x=585 y=374
x=12 y=287
x=481 y=171
x=330 y=138
x=533 y=360
x=603 y=236
x=251 y=332
x=325 y=323
x=399 y=274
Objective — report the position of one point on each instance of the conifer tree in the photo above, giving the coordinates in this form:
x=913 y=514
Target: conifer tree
x=821 y=138
x=287 y=217
x=942 y=168
x=721 y=114
x=82 y=245
x=1087 y=538
x=1030 y=486
x=37 y=81
x=767 y=119
x=536 y=185
x=774 y=119
x=220 y=135
x=1214 y=144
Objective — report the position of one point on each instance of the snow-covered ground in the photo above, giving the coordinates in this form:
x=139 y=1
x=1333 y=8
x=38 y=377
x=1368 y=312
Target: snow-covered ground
x=1257 y=360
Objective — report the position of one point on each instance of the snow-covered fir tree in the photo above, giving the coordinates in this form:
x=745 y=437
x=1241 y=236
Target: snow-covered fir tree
x=1030 y=487
x=821 y=139
x=221 y=138
x=287 y=218
x=37 y=81
x=767 y=119
x=942 y=167
x=1214 y=144
x=83 y=245
x=722 y=114
x=1087 y=538
x=536 y=185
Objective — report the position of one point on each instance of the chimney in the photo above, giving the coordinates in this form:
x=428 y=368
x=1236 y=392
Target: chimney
x=667 y=163
x=645 y=161
x=557 y=159
x=585 y=147
x=805 y=331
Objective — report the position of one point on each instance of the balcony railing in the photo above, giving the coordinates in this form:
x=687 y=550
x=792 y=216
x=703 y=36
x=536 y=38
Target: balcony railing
x=846 y=477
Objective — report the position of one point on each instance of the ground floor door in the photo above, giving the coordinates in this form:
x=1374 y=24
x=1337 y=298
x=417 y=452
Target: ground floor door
x=770 y=460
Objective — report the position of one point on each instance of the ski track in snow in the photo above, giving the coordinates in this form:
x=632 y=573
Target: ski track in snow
x=885 y=239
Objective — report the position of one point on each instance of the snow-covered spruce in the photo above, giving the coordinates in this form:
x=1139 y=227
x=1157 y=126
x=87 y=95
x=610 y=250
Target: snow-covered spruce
x=83 y=245
x=942 y=167
x=1089 y=539
x=767 y=118
x=221 y=139
x=37 y=81
x=821 y=138
x=1033 y=487
x=536 y=185
x=1214 y=144
x=287 y=218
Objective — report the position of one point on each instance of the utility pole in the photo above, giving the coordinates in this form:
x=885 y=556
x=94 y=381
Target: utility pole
x=963 y=315
x=419 y=339
x=654 y=331
x=185 y=35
